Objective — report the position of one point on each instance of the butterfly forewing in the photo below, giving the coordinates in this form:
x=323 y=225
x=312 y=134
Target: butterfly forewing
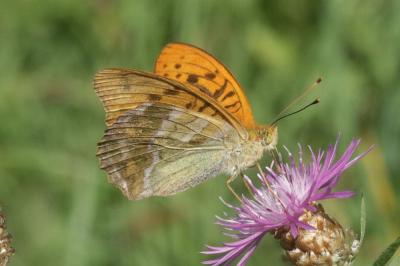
x=121 y=90
x=160 y=149
x=201 y=72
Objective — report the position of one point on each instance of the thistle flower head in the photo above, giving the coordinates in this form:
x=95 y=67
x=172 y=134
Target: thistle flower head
x=6 y=251
x=287 y=192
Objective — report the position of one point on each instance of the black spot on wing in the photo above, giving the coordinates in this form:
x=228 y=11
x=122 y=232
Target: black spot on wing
x=195 y=141
x=203 y=89
x=189 y=105
x=154 y=97
x=205 y=105
x=220 y=91
x=192 y=78
x=210 y=76
x=215 y=113
x=228 y=95
x=232 y=105
x=171 y=92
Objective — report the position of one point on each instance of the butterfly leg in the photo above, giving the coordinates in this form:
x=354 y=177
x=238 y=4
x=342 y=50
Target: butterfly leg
x=228 y=185
x=263 y=175
x=268 y=185
x=277 y=159
x=247 y=185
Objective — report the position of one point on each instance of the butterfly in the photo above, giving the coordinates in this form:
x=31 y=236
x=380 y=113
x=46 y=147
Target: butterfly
x=172 y=129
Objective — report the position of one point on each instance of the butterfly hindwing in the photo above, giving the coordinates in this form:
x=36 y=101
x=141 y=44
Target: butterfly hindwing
x=201 y=72
x=160 y=149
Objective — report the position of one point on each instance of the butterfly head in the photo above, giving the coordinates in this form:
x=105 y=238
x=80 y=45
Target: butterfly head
x=268 y=135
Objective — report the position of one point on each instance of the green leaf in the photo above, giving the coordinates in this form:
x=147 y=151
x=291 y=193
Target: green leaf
x=388 y=253
x=363 y=219
x=395 y=261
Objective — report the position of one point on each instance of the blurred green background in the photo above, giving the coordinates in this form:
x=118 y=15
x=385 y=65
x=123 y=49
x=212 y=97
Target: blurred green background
x=59 y=206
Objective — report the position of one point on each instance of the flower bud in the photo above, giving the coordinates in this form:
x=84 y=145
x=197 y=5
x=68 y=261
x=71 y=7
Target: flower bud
x=327 y=244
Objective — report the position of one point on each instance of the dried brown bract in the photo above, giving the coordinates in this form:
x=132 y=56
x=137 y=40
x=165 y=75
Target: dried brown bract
x=5 y=241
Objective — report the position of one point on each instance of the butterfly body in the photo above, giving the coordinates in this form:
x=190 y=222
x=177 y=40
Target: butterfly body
x=171 y=130
x=246 y=153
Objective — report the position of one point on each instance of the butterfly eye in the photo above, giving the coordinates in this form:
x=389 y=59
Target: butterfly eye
x=270 y=137
x=266 y=137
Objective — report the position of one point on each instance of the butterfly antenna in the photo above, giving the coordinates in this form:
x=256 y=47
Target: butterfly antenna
x=295 y=112
x=306 y=92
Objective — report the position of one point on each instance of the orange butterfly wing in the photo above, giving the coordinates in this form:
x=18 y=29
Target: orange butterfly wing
x=121 y=90
x=200 y=71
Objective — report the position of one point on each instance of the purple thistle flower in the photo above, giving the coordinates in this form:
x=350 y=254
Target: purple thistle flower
x=287 y=192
